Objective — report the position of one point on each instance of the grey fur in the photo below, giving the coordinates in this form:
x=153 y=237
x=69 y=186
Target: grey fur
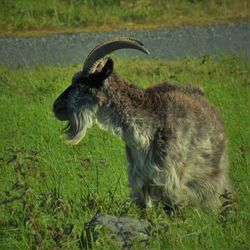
x=176 y=146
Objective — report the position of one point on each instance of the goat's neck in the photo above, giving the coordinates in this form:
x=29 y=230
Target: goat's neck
x=126 y=114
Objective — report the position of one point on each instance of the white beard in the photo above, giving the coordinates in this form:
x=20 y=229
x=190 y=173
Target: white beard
x=78 y=125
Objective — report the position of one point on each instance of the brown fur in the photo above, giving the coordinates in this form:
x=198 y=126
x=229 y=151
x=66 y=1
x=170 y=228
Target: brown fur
x=171 y=113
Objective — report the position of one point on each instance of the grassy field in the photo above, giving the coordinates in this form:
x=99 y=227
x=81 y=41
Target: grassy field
x=35 y=17
x=49 y=189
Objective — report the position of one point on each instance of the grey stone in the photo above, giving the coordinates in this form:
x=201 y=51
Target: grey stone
x=122 y=231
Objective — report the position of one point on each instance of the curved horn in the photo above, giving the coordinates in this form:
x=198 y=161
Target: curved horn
x=109 y=46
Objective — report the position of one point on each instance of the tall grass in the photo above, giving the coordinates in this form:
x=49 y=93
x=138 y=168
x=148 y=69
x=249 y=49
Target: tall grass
x=49 y=189
x=92 y=15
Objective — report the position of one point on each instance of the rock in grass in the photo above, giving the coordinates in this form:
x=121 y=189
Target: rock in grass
x=119 y=231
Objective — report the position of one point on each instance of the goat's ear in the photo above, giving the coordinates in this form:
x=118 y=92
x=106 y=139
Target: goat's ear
x=107 y=70
x=97 y=80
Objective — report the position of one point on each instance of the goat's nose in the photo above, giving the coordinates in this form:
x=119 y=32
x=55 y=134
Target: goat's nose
x=54 y=107
x=57 y=105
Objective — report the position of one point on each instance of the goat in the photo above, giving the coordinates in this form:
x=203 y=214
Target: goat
x=176 y=146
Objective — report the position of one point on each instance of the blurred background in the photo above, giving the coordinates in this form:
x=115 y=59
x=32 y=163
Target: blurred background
x=39 y=17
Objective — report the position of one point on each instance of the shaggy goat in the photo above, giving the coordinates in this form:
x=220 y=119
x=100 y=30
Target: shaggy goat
x=176 y=146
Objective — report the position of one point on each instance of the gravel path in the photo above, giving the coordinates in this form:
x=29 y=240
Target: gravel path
x=167 y=44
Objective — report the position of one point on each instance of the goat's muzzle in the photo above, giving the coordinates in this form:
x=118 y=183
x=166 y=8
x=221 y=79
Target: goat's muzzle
x=60 y=106
x=60 y=110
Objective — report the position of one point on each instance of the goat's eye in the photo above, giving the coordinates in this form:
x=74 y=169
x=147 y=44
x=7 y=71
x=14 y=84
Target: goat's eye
x=84 y=89
x=82 y=86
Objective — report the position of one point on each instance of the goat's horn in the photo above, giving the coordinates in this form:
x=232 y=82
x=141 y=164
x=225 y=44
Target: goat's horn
x=107 y=47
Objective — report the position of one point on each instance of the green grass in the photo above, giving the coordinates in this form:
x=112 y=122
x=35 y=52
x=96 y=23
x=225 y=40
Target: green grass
x=34 y=17
x=49 y=189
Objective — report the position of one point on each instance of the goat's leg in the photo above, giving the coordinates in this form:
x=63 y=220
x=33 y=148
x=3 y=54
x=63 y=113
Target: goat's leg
x=138 y=199
x=142 y=197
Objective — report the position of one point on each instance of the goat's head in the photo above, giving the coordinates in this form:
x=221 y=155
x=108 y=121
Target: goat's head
x=78 y=104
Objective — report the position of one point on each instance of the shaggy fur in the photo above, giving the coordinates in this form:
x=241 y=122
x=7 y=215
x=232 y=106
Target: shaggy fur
x=176 y=146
